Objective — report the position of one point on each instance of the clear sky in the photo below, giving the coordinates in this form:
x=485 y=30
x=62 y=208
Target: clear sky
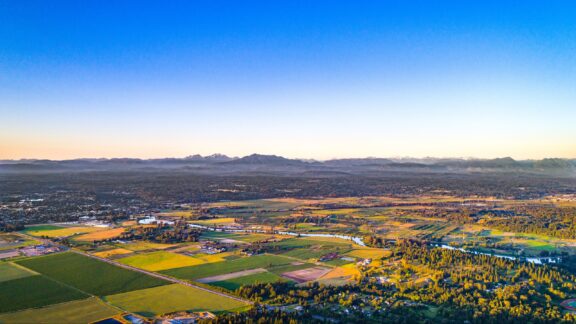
x=309 y=79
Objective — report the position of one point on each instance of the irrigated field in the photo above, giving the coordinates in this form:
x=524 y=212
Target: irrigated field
x=160 y=260
x=218 y=268
x=9 y=271
x=34 y=291
x=79 y=311
x=111 y=253
x=90 y=275
x=171 y=298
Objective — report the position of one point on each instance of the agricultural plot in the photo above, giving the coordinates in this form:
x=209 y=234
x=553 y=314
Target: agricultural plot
x=112 y=253
x=62 y=231
x=40 y=228
x=80 y=311
x=171 y=298
x=310 y=249
x=368 y=253
x=305 y=275
x=100 y=235
x=219 y=268
x=34 y=291
x=9 y=271
x=90 y=275
x=160 y=260
x=235 y=283
x=145 y=246
x=214 y=221
x=241 y=237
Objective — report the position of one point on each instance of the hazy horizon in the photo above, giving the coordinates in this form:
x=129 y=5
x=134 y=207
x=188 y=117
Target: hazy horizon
x=322 y=80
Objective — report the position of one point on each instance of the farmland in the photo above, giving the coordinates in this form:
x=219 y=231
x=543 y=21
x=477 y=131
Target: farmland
x=89 y=275
x=170 y=298
x=160 y=260
x=50 y=231
x=219 y=268
x=100 y=235
x=79 y=311
x=10 y=271
x=34 y=291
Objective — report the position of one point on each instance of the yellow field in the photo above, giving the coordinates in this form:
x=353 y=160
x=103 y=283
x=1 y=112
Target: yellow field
x=368 y=253
x=109 y=253
x=179 y=213
x=226 y=220
x=101 y=235
x=347 y=271
x=160 y=260
x=142 y=246
x=67 y=231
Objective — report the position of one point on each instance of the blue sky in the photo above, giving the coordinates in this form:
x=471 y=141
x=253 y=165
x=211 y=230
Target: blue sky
x=322 y=80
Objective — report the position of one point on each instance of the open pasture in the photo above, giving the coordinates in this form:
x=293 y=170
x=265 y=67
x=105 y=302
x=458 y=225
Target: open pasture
x=241 y=237
x=10 y=271
x=34 y=291
x=368 y=253
x=214 y=221
x=171 y=298
x=78 y=311
x=101 y=235
x=220 y=268
x=88 y=274
x=160 y=260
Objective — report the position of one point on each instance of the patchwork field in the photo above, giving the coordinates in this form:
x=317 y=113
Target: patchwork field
x=34 y=291
x=90 y=275
x=219 y=268
x=101 y=235
x=80 y=311
x=9 y=271
x=212 y=221
x=160 y=260
x=172 y=298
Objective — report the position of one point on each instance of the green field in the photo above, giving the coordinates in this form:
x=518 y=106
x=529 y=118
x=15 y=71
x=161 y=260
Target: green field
x=38 y=228
x=233 y=284
x=160 y=260
x=172 y=298
x=10 y=271
x=90 y=275
x=79 y=311
x=219 y=268
x=34 y=291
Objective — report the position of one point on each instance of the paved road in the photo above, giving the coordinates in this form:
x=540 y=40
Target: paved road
x=160 y=276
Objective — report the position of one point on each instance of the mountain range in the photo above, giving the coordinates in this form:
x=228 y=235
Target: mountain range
x=219 y=164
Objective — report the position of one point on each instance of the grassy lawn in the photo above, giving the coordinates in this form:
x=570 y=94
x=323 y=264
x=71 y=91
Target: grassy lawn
x=160 y=260
x=219 y=268
x=9 y=271
x=79 y=311
x=172 y=298
x=34 y=291
x=233 y=284
x=90 y=275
